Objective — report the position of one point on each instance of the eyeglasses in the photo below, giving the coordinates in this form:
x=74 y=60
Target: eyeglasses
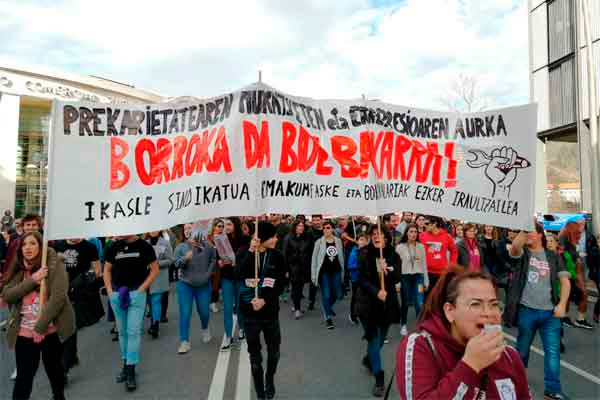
x=327 y=227
x=478 y=307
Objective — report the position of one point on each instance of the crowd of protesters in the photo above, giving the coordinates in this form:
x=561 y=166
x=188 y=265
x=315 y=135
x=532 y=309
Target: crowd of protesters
x=463 y=280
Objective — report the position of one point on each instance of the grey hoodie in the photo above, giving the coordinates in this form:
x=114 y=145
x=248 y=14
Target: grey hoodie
x=196 y=271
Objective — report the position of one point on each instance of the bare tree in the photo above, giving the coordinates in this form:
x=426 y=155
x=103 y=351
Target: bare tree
x=463 y=95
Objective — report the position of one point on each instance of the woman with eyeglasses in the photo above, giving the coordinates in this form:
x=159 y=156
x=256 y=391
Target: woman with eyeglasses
x=458 y=350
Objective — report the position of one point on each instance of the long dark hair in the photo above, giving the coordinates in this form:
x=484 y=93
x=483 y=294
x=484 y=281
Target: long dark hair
x=235 y=237
x=389 y=241
x=405 y=236
x=447 y=290
x=18 y=263
x=295 y=225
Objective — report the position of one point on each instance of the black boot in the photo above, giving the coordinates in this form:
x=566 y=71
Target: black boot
x=153 y=331
x=131 y=383
x=379 y=389
x=257 y=375
x=272 y=361
x=270 y=386
x=122 y=377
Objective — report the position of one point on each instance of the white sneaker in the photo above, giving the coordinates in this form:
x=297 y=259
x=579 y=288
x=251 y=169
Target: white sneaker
x=241 y=335
x=226 y=344
x=206 y=335
x=184 y=347
x=214 y=308
x=13 y=376
x=298 y=314
x=403 y=330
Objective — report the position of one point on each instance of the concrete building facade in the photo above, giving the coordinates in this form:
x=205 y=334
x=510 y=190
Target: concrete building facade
x=26 y=95
x=558 y=83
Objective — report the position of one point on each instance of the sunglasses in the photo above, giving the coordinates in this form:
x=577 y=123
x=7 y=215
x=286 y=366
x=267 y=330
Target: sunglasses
x=327 y=227
x=220 y=226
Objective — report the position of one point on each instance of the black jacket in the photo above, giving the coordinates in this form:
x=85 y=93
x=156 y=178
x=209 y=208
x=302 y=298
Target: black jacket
x=297 y=251
x=379 y=313
x=463 y=254
x=593 y=258
x=272 y=273
x=504 y=263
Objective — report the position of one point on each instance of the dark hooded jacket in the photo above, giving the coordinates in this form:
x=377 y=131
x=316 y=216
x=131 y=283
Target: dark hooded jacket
x=429 y=366
x=372 y=311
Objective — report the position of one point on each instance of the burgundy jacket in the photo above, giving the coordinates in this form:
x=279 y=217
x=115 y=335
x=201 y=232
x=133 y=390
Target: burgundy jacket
x=429 y=366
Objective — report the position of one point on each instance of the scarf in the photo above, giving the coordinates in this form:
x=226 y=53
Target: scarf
x=474 y=256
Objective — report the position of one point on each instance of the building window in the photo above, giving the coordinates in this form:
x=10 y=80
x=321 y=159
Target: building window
x=563 y=189
x=561 y=34
x=562 y=93
x=32 y=150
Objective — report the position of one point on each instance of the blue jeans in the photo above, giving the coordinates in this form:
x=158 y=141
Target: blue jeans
x=374 y=347
x=530 y=320
x=240 y=317
x=186 y=295
x=156 y=306
x=228 y=293
x=409 y=293
x=331 y=290
x=129 y=324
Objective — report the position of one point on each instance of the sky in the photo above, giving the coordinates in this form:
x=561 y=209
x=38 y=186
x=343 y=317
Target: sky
x=404 y=52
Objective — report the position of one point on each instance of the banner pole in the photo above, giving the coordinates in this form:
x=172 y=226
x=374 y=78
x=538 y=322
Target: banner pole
x=43 y=285
x=49 y=191
x=382 y=241
x=380 y=232
x=354 y=227
x=256 y=260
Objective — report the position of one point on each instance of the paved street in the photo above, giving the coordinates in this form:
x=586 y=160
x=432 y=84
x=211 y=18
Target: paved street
x=315 y=364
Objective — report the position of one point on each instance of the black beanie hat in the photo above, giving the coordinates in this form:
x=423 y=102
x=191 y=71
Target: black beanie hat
x=266 y=231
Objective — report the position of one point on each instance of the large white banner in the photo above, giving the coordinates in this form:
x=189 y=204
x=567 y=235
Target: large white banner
x=123 y=169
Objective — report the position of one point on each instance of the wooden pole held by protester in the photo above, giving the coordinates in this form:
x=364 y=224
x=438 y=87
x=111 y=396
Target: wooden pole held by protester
x=256 y=260
x=381 y=244
x=43 y=284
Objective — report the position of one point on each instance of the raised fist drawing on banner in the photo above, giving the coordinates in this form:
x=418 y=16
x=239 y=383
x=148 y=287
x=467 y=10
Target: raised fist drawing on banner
x=500 y=168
